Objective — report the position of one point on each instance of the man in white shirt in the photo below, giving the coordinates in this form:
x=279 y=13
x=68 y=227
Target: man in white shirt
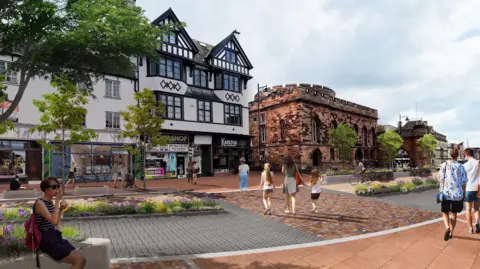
x=471 y=195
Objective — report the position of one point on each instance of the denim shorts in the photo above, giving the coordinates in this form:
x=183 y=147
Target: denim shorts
x=471 y=196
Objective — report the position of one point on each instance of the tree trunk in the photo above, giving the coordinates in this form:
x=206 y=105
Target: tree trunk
x=143 y=166
x=63 y=158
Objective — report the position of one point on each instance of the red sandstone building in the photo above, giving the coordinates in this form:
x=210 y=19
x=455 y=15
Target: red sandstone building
x=295 y=120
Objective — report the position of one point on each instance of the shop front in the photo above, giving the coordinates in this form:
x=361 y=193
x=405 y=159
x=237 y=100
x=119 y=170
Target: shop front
x=23 y=158
x=90 y=162
x=169 y=161
x=227 y=152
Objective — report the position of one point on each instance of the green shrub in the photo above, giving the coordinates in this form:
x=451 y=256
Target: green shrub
x=431 y=181
x=161 y=208
x=417 y=181
x=361 y=189
x=178 y=209
x=408 y=187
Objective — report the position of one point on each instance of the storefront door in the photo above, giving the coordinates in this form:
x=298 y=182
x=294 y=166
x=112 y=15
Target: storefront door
x=181 y=165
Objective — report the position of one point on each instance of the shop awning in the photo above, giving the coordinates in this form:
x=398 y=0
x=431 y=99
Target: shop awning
x=202 y=140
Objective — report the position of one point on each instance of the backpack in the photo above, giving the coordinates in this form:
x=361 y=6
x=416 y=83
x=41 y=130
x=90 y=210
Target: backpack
x=33 y=237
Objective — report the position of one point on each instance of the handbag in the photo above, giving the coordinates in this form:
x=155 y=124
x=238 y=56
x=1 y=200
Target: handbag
x=298 y=178
x=440 y=193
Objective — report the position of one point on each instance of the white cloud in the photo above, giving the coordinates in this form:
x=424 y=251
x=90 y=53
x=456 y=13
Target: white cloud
x=383 y=54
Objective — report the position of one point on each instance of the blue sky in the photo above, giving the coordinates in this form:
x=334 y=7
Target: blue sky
x=388 y=55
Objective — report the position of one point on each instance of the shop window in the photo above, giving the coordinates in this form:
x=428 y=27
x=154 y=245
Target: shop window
x=200 y=78
x=173 y=106
x=233 y=114
x=112 y=120
x=204 y=111
x=112 y=88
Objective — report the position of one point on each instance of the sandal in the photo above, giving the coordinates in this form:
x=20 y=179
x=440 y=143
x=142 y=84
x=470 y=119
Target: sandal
x=447 y=235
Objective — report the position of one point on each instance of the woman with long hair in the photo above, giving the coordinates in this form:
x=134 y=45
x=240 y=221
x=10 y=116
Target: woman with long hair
x=267 y=185
x=290 y=187
x=47 y=214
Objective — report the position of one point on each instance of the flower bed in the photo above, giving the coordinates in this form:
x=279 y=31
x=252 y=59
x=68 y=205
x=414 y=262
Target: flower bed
x=128 y=207
x=397 y=186
x=12 y=238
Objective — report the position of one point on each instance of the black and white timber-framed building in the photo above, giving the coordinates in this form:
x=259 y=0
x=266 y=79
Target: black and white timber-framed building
x=204 y=89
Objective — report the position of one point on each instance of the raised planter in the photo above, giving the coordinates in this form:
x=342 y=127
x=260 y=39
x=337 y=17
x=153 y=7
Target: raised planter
x=79 y=191
x=19 y=194
x=96 y=251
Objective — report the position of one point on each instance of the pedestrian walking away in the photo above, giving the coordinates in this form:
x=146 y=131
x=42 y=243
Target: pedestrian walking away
x=290 y=187
x=243 y=171
x=267 y=185
x=471 y=195
x=452 y=178
x=47 y=215
x=195 y=172
x=315 y=180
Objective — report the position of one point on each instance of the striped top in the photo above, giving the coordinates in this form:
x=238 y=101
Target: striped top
x=42 y=223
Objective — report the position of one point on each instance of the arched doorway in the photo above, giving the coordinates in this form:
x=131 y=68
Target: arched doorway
x=359 y=155
x=317 y=158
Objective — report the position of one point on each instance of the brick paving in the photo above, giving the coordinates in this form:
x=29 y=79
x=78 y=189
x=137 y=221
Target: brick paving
x=339 y=215
x=179 y=264
x=416 y=248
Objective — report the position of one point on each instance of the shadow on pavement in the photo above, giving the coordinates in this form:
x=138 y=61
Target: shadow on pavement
x=324 y=218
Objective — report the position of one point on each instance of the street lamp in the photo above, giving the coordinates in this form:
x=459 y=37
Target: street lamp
x=259 y=134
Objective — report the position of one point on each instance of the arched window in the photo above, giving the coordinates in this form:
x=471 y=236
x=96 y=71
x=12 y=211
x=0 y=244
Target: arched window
x=316 y=135
x=374 y=136
x=365 y=136
x=355 y=127
x=332 y=154
x=334 y=124
x=283 y=130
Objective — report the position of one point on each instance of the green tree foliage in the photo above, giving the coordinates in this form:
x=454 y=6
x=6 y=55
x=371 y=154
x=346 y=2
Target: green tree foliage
x=428 y=145
x=344 y=139
x=390 y=143
x=143 y=123
x=63 y=114
x=83 y=39
x=6 y=125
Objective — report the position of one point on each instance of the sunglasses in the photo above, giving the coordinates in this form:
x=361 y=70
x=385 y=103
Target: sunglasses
x=54 y=187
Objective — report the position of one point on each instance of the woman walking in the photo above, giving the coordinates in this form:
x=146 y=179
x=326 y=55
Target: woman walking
x=243 y=171
x=47 y=215
x=315 y=180
x=452 y=178
x=267 y=185
x=290 y=187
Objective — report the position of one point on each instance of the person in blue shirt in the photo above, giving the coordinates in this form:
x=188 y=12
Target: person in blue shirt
x=452 y=178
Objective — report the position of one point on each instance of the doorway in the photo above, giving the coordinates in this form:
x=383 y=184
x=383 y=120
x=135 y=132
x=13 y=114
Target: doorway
x=181 y=165
x=317 y=158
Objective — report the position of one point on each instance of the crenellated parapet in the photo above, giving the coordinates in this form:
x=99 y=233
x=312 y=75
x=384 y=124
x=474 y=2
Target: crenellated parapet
x=311 y=93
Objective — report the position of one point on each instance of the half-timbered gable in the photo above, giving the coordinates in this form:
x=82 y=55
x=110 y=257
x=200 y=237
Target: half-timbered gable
x=177 y=42
x=229 y=55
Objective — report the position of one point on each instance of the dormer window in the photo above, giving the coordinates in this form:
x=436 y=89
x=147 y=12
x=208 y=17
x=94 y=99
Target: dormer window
x=170 y=38
x=231 y=56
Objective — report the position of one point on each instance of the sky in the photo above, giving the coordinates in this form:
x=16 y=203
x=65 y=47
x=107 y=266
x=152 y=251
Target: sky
x=413 y=58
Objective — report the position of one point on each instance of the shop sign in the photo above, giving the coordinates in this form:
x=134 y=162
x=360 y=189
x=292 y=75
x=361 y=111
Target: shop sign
x=160 y=149
x=178 y=148
x=159 y=173
x=228 y=142
x=178 y=139
x=222 y=171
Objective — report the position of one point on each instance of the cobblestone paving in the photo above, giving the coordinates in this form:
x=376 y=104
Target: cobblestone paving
x=425 y=200
x=339 y=215
x=152 y=265
x=160 y=236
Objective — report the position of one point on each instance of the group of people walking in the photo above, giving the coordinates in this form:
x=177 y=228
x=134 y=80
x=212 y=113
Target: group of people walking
x=292 y=179
x=459 y=184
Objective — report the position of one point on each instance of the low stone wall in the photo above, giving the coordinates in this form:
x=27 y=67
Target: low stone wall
x=19 y=194
x=96 y=250
x=79 y=191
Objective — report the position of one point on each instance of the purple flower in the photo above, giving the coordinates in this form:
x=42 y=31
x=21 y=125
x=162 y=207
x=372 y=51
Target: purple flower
x=22 y=212
x=8 y=229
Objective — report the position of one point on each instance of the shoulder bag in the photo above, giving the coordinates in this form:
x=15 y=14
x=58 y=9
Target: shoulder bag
x=298 y=178
x=440 y=193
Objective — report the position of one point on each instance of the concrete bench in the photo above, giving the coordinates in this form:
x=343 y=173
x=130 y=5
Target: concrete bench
x=79 y=191
x=8 y=194
x=96 y=251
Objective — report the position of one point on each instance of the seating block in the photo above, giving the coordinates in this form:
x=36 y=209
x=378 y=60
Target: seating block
x=18 y=194
x=79 y=191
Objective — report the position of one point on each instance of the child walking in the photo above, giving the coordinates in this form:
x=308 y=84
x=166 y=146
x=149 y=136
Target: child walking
x=315 y=180
x=267 y=185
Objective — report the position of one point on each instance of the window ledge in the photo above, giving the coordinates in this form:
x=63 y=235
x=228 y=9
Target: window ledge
x=111 y=97
x=9 y=83
x=111 y=128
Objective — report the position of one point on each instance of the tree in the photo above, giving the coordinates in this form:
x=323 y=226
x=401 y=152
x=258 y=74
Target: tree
x=428 y=145
x=83 y=39
x=390 y=143
x=143 y=123
x=344 y=139
x=6 y=125
x=63 y=114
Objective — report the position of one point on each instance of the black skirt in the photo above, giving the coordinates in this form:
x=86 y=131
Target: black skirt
x=54 y=245
x=314 y=196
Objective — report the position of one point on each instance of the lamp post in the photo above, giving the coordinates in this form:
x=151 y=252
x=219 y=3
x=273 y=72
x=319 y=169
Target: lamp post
x=259 y=134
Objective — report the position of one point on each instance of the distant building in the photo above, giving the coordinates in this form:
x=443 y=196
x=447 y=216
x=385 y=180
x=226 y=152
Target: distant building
x=295 y=120
x=461 y=150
